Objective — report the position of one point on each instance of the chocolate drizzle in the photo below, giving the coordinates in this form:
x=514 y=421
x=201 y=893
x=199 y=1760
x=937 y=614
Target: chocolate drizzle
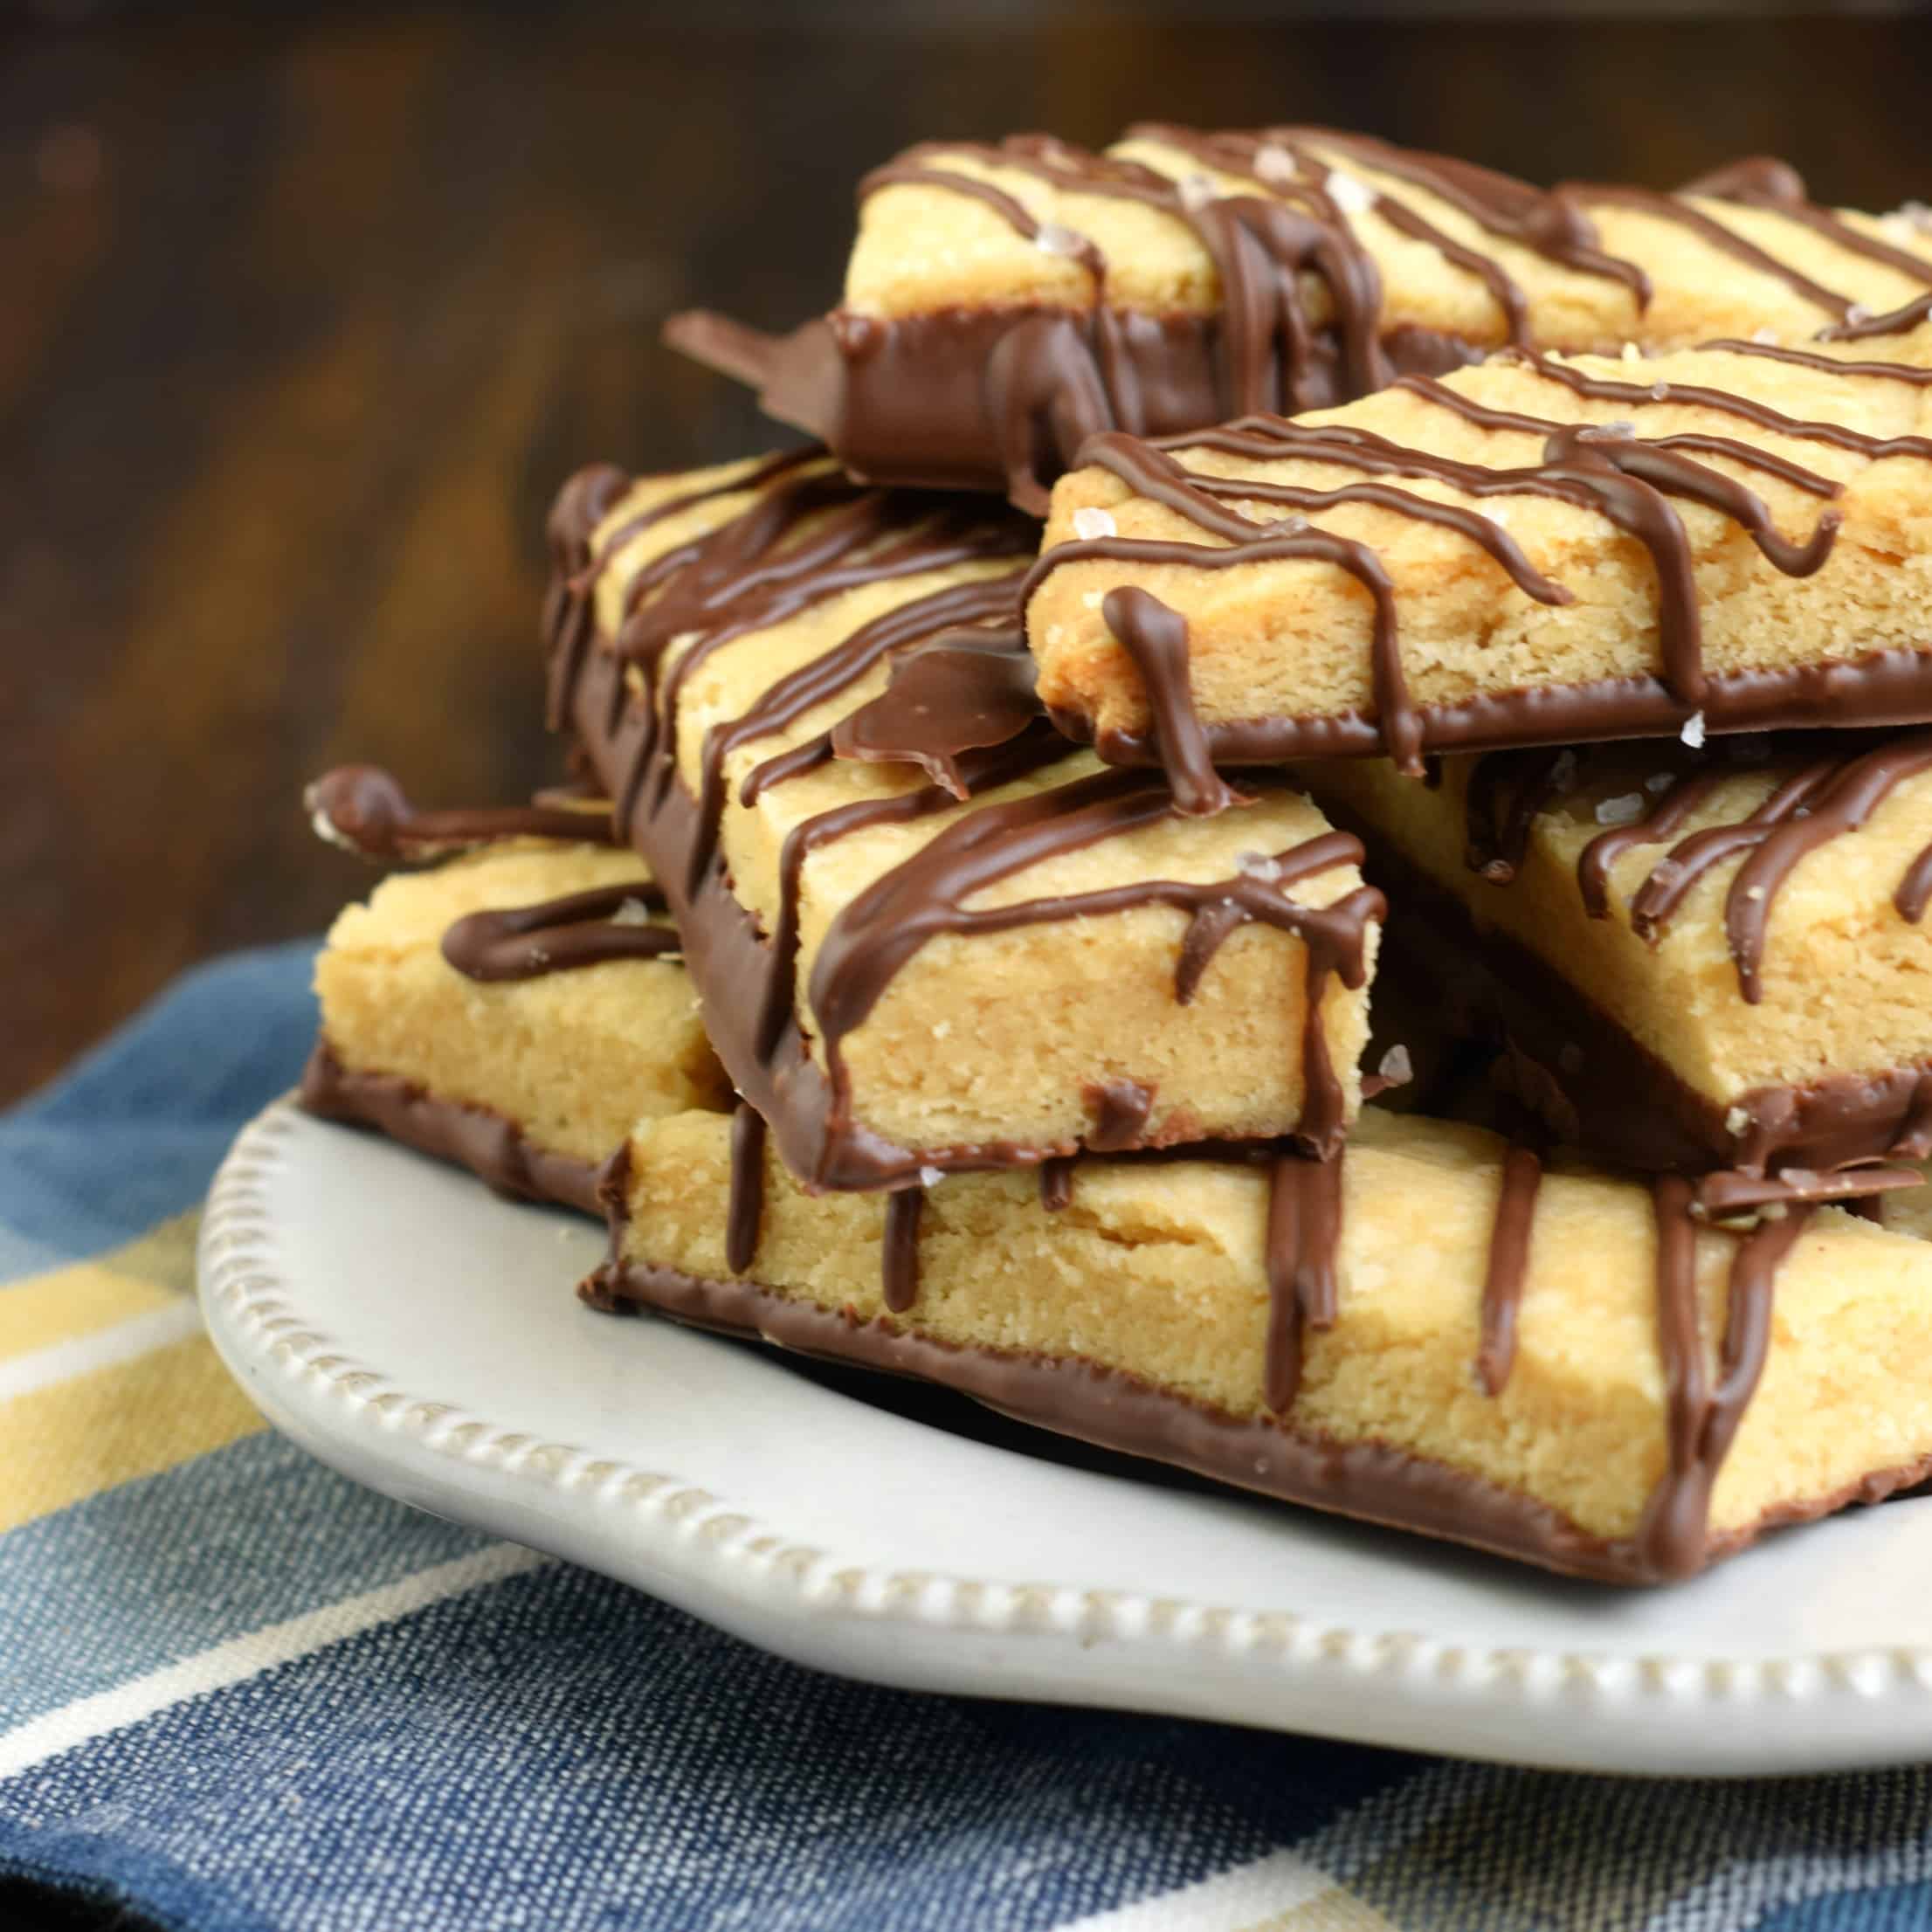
x=363 y=809
x=1820 y=799
x=585 y=928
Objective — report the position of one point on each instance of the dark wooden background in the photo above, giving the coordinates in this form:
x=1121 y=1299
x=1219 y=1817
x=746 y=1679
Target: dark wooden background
x=303 y=316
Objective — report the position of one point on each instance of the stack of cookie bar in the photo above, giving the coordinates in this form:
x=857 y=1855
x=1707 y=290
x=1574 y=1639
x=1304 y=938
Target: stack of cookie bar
x=1497 y=607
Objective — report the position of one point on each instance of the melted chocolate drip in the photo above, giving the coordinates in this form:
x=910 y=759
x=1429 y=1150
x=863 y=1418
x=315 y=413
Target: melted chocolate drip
x=1121 y=1110
x=1304 y=1233
x=364 y=810
x=744 y=1214
x=1056 y=1182
x=1507 y=1267
x=1496 y=849
x=898 y=1248
x=579 y=929
x=1702 y=1416
x=1155 y=638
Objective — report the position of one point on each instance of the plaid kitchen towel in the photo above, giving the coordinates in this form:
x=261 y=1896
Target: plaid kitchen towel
x=239 y=1694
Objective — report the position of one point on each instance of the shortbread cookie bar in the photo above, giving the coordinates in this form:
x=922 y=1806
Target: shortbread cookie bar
x=515 y=1011
x=1712 y=959
x=1432 y=1332
x=928 y=932
x=1002 y=303
x=1535 y=551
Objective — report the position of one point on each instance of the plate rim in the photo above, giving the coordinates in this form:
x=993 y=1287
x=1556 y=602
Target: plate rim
x=257 y=1326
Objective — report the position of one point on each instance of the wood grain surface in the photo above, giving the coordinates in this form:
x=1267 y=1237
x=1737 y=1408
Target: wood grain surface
x=303 y=316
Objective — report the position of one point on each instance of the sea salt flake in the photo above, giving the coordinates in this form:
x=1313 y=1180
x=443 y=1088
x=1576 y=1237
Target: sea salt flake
x=1631 y=353
x=1197 y=191
x=1736 y=1120
x=931 y=1177
x=1857 y=312
x=1052 y=238
x=1660 y=392
x=1754 y=891
x=631 y=912
x=1693 y=732
x=1259 y=865
x=1764 y=337
x=1658 y=781
x=1275 y=166
x=1288 y=526
x=1089 y=523
x=1625 y=811
x=1397 y=1068
x=1622 y=427
x=1350 y=196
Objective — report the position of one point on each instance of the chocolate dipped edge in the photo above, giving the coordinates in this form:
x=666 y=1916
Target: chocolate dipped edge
x=1887 y=687
x=490 y=1145
x=905 y=400
x=1369 y=1481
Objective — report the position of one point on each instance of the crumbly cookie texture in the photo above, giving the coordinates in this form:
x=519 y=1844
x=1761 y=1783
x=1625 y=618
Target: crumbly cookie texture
x=1279 y=643
x=1157 y=1271
x=1841 y=975
x=922 y=246
x=572 y=1059
x=1009 y=1031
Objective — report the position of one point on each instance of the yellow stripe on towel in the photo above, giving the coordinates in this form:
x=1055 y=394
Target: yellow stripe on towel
x=74 y=1439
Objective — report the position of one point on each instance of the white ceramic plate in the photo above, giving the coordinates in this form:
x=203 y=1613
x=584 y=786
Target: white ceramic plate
x=420 y=1335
